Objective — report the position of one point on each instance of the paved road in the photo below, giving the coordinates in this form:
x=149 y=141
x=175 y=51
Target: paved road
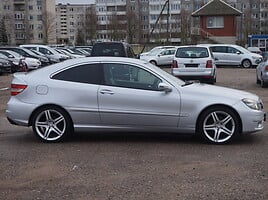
x=129 y=166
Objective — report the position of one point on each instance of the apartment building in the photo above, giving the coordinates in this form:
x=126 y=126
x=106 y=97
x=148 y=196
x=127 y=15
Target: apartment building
x=42 y=21
x=29 y=21
x=72 y=23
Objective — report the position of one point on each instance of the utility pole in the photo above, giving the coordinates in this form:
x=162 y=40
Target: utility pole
x=166 y=3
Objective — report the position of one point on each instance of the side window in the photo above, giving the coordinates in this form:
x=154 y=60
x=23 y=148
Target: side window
x=87 y=73
x=233 y=50
x=129 y=76
x=219 y=49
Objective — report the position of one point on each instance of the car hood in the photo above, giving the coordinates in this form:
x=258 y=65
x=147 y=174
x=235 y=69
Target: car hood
x=212 y=92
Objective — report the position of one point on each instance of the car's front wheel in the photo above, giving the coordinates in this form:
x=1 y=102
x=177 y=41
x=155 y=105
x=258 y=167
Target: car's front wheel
x=218 y=125
x=51 y=124
x=246 y=63
x=153 y=62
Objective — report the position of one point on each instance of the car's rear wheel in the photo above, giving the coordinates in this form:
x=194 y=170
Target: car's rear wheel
x=263 y=83
x=218 y=125
x=51 y=124
x=246 y=63
x=257 y=79
x=153 y=62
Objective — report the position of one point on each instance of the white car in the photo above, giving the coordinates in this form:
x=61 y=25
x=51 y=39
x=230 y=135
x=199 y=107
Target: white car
x=32 y=63
x=233 y=55
x=160 y=57
x=156 y=49
x=194 y=62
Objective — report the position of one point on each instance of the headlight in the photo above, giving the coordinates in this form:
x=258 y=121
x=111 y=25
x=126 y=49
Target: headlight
x=253 y=104
x=256 y=58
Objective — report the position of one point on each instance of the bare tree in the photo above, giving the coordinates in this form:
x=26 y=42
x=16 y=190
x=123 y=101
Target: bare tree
x=3 y=33
x=91 y=23
x=132 y=20
x=49 y=26
x=113 y=26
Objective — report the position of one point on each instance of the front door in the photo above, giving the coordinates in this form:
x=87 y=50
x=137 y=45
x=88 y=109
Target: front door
x=131 y=97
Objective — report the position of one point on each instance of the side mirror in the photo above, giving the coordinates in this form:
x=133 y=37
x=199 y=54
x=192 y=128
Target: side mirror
x=238 y=52
x=164 y=87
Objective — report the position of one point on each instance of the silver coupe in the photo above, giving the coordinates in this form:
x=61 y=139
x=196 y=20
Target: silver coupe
x=125 y=94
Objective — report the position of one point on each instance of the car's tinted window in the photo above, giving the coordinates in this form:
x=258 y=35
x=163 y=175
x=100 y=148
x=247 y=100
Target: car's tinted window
x=192 y=52
x=232 y=50
x=108 y=49
x=88 y=73
x=129 y=76
x=219 y=49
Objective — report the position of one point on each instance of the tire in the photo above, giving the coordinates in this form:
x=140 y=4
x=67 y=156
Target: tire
x=51 y=124
x=257 y=79
x=246 y=63
x=153 y=62
x=262 y=83
x=218 y=125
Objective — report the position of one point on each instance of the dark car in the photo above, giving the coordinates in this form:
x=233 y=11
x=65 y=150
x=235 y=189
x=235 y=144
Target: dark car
x=118 y=49
x=27 y=53
x=5 y=66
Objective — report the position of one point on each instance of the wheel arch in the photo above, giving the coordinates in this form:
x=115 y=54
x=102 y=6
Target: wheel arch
x=48 y=105
x=219 y=105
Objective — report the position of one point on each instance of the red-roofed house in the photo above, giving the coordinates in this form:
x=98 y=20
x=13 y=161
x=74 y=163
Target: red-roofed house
x=218 y=21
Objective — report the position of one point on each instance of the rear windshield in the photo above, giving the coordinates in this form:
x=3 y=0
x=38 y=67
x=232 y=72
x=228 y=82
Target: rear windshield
x=108 y=49
x=192 y=52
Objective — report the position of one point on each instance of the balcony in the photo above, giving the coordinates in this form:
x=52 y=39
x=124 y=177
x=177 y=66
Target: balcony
x=16 y=2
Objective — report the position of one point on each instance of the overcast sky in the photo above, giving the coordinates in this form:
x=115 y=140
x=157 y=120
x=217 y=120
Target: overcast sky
x=75 y=1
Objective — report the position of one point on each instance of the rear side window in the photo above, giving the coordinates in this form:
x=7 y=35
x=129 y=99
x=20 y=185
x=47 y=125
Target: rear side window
x=219 y=49
x=192 y=52
x=88 y=73
x=108 y=49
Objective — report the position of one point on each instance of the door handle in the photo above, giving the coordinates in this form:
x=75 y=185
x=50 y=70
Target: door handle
x=106 y=92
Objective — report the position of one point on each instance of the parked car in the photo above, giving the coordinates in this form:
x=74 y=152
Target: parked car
x=262 y=73
x=51 y=53
x=160 y=57
x=234 y=55
x=27 y=54
x=118 y=49
x=32 y=63
x=17 y=63
x=156 y=49
x=93 y=94
x=69 y=53
x=194 y=62
x=255 y=50
x=5 y=66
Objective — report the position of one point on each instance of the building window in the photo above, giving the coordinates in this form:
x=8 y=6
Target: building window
x=215 y=22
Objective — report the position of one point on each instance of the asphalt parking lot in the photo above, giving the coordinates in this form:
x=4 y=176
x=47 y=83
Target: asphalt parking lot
x=116 y=166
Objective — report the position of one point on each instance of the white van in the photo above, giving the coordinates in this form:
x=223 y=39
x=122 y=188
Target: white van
x=233 y=55
x=51 y=53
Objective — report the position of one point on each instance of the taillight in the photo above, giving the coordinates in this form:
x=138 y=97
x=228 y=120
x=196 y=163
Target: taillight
x=175 y=64
x=17 y=88
x=266 y=68
x=209 y=64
